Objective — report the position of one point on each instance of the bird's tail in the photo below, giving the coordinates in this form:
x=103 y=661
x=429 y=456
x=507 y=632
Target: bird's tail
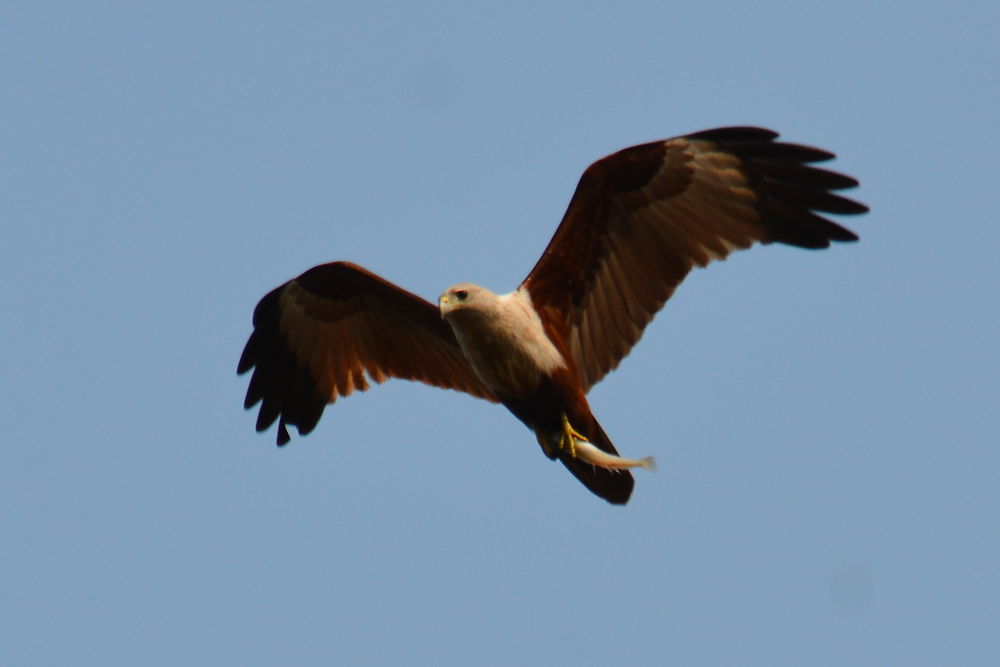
x=615 y=486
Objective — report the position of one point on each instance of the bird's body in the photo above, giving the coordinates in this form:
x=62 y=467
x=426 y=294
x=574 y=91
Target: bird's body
x=638 y=222
x=507 y=346
x=502 y=337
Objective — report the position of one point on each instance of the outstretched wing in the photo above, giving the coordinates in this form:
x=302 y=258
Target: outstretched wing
x=642 y=218
x=317 y=337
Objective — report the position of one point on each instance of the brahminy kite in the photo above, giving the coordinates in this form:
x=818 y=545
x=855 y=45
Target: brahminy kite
x=639 y=221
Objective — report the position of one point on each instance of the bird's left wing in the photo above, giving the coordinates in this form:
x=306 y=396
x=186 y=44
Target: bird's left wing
x=642 y=218
x=318 y=336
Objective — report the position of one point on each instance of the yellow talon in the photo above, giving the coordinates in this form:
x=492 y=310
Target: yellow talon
x=566 y=441
x=570 y=437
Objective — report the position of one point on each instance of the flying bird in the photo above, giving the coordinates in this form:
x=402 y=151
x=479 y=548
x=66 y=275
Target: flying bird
x=639 y=221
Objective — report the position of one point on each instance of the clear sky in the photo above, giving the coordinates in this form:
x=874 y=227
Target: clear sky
x=826 y=423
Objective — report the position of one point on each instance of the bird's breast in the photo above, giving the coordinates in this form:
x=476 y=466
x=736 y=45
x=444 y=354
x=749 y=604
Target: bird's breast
x=507 y=346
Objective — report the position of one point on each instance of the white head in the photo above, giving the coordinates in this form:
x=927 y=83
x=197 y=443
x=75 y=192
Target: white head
x=464 y=296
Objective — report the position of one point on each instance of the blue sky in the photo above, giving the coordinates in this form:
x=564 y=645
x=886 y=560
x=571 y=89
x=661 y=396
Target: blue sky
x=826 y=424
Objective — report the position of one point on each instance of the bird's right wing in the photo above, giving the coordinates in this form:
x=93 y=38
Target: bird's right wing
x=318 y=336
x=642 y=218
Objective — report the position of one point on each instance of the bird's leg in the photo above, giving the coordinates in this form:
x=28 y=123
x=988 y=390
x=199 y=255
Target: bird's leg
x=563 y=440
x=569 y=437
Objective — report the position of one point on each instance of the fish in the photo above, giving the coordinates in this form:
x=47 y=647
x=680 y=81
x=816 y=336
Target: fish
x=585 y=451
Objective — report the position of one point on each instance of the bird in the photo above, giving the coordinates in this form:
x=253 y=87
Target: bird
x=638 y=222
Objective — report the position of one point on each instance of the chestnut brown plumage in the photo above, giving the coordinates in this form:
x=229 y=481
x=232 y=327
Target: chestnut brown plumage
x=639 y=222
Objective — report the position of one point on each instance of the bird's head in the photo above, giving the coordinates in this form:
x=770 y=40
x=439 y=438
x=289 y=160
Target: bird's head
x=460 y=296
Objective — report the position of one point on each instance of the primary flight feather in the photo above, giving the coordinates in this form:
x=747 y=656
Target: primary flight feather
x=639 y=221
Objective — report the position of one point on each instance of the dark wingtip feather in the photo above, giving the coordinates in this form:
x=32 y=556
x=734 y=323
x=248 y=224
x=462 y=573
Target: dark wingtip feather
x=247 y=358
x=792 y=193
x=254 y=392
x=283 y=438
x=269 y=411
x=813 y=199
x=785 y=152
x=805 y=176
x=278 y=382
x=735 y=134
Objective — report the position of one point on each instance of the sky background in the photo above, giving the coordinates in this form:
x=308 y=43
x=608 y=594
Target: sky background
x=826 y=423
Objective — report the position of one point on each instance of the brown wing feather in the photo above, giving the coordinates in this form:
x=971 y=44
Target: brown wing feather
x=323 y=334
x=642 y=218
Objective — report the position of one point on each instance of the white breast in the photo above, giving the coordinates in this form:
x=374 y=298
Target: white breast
x=504 y=341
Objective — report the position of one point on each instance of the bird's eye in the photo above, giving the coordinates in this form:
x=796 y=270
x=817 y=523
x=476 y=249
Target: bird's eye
x=461 y=294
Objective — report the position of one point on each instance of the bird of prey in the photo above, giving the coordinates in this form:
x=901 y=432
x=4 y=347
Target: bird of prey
x=639 y=221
